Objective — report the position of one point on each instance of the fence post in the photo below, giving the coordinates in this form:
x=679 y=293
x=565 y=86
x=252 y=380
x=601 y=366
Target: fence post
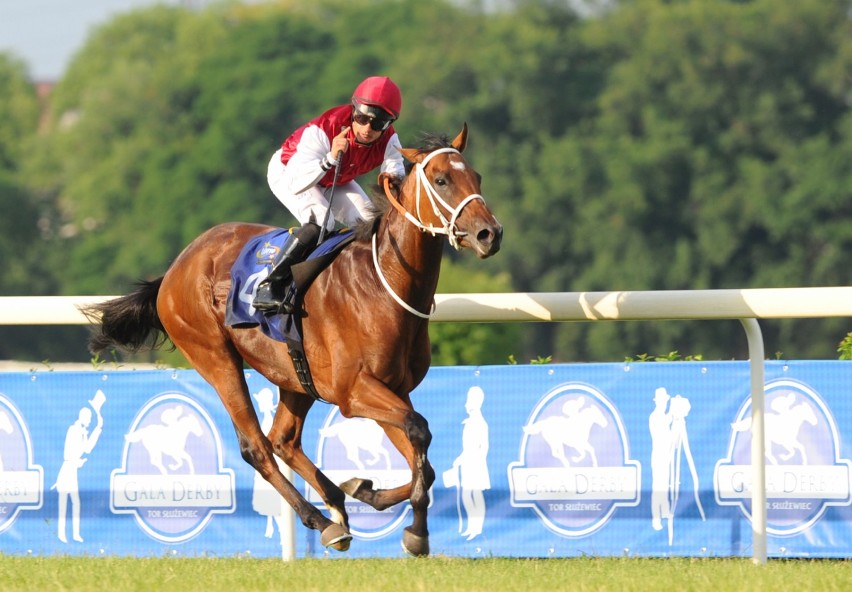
x=758 y=439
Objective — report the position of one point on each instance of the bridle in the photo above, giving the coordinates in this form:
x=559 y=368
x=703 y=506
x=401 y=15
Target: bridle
x=422 y=183
x=439 y=207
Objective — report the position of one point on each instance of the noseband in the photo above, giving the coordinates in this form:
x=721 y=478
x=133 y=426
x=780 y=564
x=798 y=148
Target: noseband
x=448 y=228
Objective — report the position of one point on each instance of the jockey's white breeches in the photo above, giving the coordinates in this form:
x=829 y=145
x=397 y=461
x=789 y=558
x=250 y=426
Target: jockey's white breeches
x=349 y=205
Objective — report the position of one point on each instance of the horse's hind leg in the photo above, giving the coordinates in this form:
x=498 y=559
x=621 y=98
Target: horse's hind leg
x=158 y=462
x=286 y=439
x=223 y=370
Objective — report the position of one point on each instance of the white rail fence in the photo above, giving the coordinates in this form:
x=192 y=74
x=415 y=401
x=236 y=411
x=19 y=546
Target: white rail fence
x=746 y=305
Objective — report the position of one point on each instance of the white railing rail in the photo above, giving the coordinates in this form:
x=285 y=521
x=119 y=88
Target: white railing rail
x=746 y=305
x=761 y=303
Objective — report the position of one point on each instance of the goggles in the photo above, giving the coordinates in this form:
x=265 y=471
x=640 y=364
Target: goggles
x=377 y=119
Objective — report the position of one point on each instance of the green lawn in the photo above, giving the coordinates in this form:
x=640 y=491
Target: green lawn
x=432 y=574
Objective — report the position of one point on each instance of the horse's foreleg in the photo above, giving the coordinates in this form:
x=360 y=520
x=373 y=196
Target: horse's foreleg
x=381 y=499
x=286 y=439
x=373 y=400
x=259 y=455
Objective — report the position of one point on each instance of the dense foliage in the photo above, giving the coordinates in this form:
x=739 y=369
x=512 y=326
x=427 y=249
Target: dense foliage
x=686 y=144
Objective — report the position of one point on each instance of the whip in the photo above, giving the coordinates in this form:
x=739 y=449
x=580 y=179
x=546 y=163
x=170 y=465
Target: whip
x=324 y=230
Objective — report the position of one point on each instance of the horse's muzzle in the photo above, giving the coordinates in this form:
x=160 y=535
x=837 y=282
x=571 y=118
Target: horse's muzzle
x=487 y=240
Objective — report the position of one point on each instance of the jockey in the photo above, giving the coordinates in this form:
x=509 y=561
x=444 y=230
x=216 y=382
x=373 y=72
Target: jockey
x=355 y=139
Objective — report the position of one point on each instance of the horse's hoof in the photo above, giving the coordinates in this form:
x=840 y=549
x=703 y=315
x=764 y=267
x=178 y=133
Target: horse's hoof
x=336 y=537
x=356 y=487
x=414 y=544
x=342 y=544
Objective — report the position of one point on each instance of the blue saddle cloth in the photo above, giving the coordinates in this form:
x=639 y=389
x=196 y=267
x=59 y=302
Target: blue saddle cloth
x=252 y=266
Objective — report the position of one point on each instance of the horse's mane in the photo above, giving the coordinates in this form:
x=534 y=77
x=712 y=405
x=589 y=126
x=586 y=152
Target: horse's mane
x=363 y=230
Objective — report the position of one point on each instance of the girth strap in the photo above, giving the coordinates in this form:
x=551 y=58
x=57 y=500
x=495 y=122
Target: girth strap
x=303 y=371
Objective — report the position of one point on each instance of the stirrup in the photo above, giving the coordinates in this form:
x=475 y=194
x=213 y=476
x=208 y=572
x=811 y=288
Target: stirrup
x=266 y=299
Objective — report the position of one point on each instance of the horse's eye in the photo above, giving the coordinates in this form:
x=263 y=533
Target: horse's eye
x=440 y=181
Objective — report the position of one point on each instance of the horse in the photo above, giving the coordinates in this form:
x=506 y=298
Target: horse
x=782 y=429
x=356 y=435
x=365 y=330
x=571 y=429
x=168 y=439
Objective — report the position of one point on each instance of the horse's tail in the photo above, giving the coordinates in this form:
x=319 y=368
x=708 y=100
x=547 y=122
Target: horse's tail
x=129 y=323
x=533 y=428
x=331 y=431
x=134 y=436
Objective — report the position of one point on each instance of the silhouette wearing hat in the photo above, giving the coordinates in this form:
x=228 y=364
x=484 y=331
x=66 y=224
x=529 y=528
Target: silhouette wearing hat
x=469 y=472
x=265 y=500
x=669 y=443
x=78 y=442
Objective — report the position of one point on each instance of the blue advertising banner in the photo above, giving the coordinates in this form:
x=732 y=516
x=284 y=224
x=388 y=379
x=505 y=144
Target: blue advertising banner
x=647 y=459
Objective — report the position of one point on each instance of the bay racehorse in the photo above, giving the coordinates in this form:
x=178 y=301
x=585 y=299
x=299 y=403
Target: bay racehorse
x=365 y=332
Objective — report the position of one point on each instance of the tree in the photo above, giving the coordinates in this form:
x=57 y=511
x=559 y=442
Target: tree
x=19 y=223
x=703 y=133
x=657 y=145
x=472 y=343
x=172 y=134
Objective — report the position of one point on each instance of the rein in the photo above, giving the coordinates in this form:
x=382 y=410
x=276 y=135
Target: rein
x=448 y=228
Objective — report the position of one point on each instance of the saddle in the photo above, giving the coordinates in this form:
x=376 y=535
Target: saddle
x=253 y=265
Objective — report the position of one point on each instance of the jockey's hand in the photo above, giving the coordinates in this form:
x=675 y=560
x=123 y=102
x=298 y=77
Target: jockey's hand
x=340 y=143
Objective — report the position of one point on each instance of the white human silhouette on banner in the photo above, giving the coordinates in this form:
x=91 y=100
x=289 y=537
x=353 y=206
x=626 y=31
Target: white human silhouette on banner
x=6 y=428
x=669 y=442
x=265 y=500
x=78 y=443
x=469 y=473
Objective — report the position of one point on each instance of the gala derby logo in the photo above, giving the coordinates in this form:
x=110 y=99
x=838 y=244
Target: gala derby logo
x=804 y=471
x=21 y=481
x=575 y=467
x=172 y=479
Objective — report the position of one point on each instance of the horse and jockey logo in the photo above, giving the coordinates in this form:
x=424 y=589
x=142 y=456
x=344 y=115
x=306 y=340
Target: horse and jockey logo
x=21 y=481
x=172 y=479
x=358 y=447
x=266 y=253
x=804 y=471
x=575 y=467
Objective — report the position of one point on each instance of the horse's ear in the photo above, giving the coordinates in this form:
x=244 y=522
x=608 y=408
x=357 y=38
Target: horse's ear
x=412 y=154
x=461 y=140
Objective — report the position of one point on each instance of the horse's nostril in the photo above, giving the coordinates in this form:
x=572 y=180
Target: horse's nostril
x=490 y=235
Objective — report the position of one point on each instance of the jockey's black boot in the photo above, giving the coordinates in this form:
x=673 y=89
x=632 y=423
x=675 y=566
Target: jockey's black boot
x=271 y=291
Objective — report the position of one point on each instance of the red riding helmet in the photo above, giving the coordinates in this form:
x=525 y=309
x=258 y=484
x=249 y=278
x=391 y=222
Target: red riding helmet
x=379 y=91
